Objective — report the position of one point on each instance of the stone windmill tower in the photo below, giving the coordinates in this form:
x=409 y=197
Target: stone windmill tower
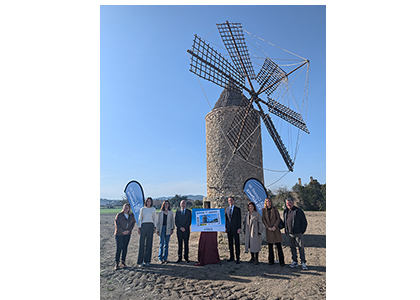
x=227 y=172
x=233 y=131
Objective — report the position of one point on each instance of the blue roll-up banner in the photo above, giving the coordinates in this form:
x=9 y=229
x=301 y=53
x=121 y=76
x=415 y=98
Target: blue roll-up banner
x=256 y=192
x=135 y=196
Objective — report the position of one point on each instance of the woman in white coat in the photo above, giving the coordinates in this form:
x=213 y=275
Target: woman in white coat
x=253 y=228
x=164 y=229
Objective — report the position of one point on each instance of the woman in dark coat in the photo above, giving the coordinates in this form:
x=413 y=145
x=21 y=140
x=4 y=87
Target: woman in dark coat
x=124 y=223
x=273 y=224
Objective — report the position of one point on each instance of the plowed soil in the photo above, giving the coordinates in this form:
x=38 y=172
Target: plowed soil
x=226 y=280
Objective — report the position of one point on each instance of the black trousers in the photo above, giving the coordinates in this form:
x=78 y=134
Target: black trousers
x=271 y=253
x=234 y=236
x=122 y=245
x=183 y=238
x=146 y=243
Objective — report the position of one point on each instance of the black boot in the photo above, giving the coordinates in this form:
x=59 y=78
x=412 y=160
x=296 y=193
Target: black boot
x=280 y=252
x=256 y=259
x=252 y=258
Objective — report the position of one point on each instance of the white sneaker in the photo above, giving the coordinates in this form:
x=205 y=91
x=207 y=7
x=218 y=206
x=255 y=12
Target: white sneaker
x=304 y=267
x=294 y=264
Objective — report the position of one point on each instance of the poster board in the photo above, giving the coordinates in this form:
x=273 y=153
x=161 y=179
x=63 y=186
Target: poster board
x=209 y=219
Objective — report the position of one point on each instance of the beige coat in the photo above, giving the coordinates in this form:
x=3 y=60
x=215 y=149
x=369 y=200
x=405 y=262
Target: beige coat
x=253 y=229
x=170 y=222
x=272 y=237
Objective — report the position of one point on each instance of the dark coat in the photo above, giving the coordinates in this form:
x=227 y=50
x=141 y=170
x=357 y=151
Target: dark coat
x=122 y=224
x=183 y=220
x=299 y=222
x=234 y=223
x=272 y=237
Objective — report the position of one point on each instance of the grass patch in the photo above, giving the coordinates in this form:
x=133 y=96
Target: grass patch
x=114 y=210
x=117 y=209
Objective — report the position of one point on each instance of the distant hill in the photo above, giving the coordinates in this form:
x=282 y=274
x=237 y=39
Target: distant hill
x=191 y=197
x=107 y=202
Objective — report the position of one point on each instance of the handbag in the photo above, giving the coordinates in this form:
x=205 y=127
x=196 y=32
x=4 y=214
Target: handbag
x=281 y=224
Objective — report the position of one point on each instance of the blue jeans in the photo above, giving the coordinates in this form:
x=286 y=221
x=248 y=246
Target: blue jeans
x=163 y=244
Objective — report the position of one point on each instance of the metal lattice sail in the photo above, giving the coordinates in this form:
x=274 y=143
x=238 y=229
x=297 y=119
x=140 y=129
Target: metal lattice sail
x=207 y=63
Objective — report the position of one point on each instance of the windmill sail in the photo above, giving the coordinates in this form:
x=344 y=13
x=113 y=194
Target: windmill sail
x=270 y=75
x=210 y=65
x=233 y=37
x=277 y=140
x=241 y=130
x=287 y=114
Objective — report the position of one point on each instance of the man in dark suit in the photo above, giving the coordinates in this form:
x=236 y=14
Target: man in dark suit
x=183 y=223
x=233 y=228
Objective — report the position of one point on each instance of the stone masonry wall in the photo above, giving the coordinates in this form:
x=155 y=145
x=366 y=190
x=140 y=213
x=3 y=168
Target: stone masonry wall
x=226 y=175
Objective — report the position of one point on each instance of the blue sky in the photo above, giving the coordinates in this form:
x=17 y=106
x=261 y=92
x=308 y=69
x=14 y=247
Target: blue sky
x=58 y=141
x=152 y=108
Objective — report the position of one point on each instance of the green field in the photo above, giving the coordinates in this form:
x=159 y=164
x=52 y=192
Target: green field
x=117 y=209
x=114 y=210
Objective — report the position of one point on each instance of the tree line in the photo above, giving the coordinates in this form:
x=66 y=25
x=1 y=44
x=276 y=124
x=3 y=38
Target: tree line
x=309 y=197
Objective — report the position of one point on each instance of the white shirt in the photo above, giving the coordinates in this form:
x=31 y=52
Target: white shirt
x=147 y=214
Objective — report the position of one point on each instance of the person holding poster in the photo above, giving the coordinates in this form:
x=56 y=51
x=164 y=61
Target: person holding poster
x=124 y=224
x=147 y=227
x=233 y=228
x=208 y=252
x=273 y=224
x=183 y=223
x=164 y=229
x=253 y=228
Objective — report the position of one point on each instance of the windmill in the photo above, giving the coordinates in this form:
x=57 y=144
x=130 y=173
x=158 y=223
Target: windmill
x=239 y=76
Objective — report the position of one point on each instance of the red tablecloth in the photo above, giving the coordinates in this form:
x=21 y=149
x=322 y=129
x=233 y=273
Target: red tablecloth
x=208 y=252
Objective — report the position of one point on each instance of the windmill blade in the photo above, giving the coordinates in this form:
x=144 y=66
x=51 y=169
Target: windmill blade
x=233 y=37
x=286 y=114
x=241 y=129
x=277 y=140
x=270 y=76
x=212 y=66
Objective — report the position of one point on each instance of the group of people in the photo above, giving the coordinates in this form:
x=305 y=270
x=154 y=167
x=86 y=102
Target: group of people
x=295 y=226
x=149 y=223
x=252 y=227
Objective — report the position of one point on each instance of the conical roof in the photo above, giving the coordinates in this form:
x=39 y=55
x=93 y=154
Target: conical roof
x=229 y=97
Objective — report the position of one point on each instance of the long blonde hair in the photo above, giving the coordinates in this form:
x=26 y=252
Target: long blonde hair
x=129 y=207
x=265 y=203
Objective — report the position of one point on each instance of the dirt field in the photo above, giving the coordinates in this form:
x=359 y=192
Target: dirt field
x=219 y=281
